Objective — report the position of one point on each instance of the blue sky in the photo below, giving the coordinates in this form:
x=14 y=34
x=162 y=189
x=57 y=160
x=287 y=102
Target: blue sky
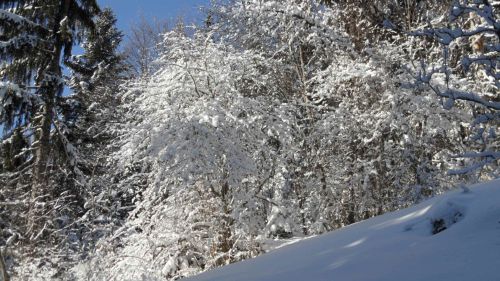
x=129 y=11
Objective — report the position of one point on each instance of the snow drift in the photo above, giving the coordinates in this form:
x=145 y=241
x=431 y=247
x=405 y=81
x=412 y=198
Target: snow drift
x=455 y=236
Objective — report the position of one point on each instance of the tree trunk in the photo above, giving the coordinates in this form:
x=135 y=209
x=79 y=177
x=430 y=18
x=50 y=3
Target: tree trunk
x=3 y=268
x=43 y=147
x=50 y=88
x=40 y=168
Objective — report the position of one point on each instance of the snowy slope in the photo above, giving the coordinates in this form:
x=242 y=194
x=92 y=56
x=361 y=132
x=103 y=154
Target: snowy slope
x=396 y=246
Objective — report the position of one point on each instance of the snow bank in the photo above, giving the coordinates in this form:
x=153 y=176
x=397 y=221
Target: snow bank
x=455 y=236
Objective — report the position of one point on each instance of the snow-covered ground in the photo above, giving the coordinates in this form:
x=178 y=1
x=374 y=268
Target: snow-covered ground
x=396 y=246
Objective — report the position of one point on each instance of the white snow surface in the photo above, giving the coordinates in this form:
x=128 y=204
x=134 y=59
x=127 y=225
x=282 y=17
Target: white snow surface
x=395 y=246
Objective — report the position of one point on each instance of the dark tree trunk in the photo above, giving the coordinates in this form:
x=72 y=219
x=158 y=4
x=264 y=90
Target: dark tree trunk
x=3 y=268
x=50 y=88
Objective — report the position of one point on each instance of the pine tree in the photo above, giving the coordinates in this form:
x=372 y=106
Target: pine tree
x=35 y=38
x=95 y=81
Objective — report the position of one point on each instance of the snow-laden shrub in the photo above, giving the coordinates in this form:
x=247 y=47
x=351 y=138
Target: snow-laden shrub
x=207 y=156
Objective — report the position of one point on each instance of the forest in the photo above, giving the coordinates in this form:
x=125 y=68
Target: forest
x=183 y=148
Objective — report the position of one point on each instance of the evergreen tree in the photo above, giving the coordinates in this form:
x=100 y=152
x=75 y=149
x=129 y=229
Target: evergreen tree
x=89 y=111
x=97 y=75
x=36 y=38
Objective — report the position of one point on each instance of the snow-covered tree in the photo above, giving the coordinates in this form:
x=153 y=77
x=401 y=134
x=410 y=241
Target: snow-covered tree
x=88 y=113
x=318 y=71
x=365 y=22
x=466 y=76
x=38 y=35
x=40 y=176
x=204 y=153
x=271 y=122
x=96 y=78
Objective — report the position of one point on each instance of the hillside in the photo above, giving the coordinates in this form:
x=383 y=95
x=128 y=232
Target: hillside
x=177 y=147
x=395 y=246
